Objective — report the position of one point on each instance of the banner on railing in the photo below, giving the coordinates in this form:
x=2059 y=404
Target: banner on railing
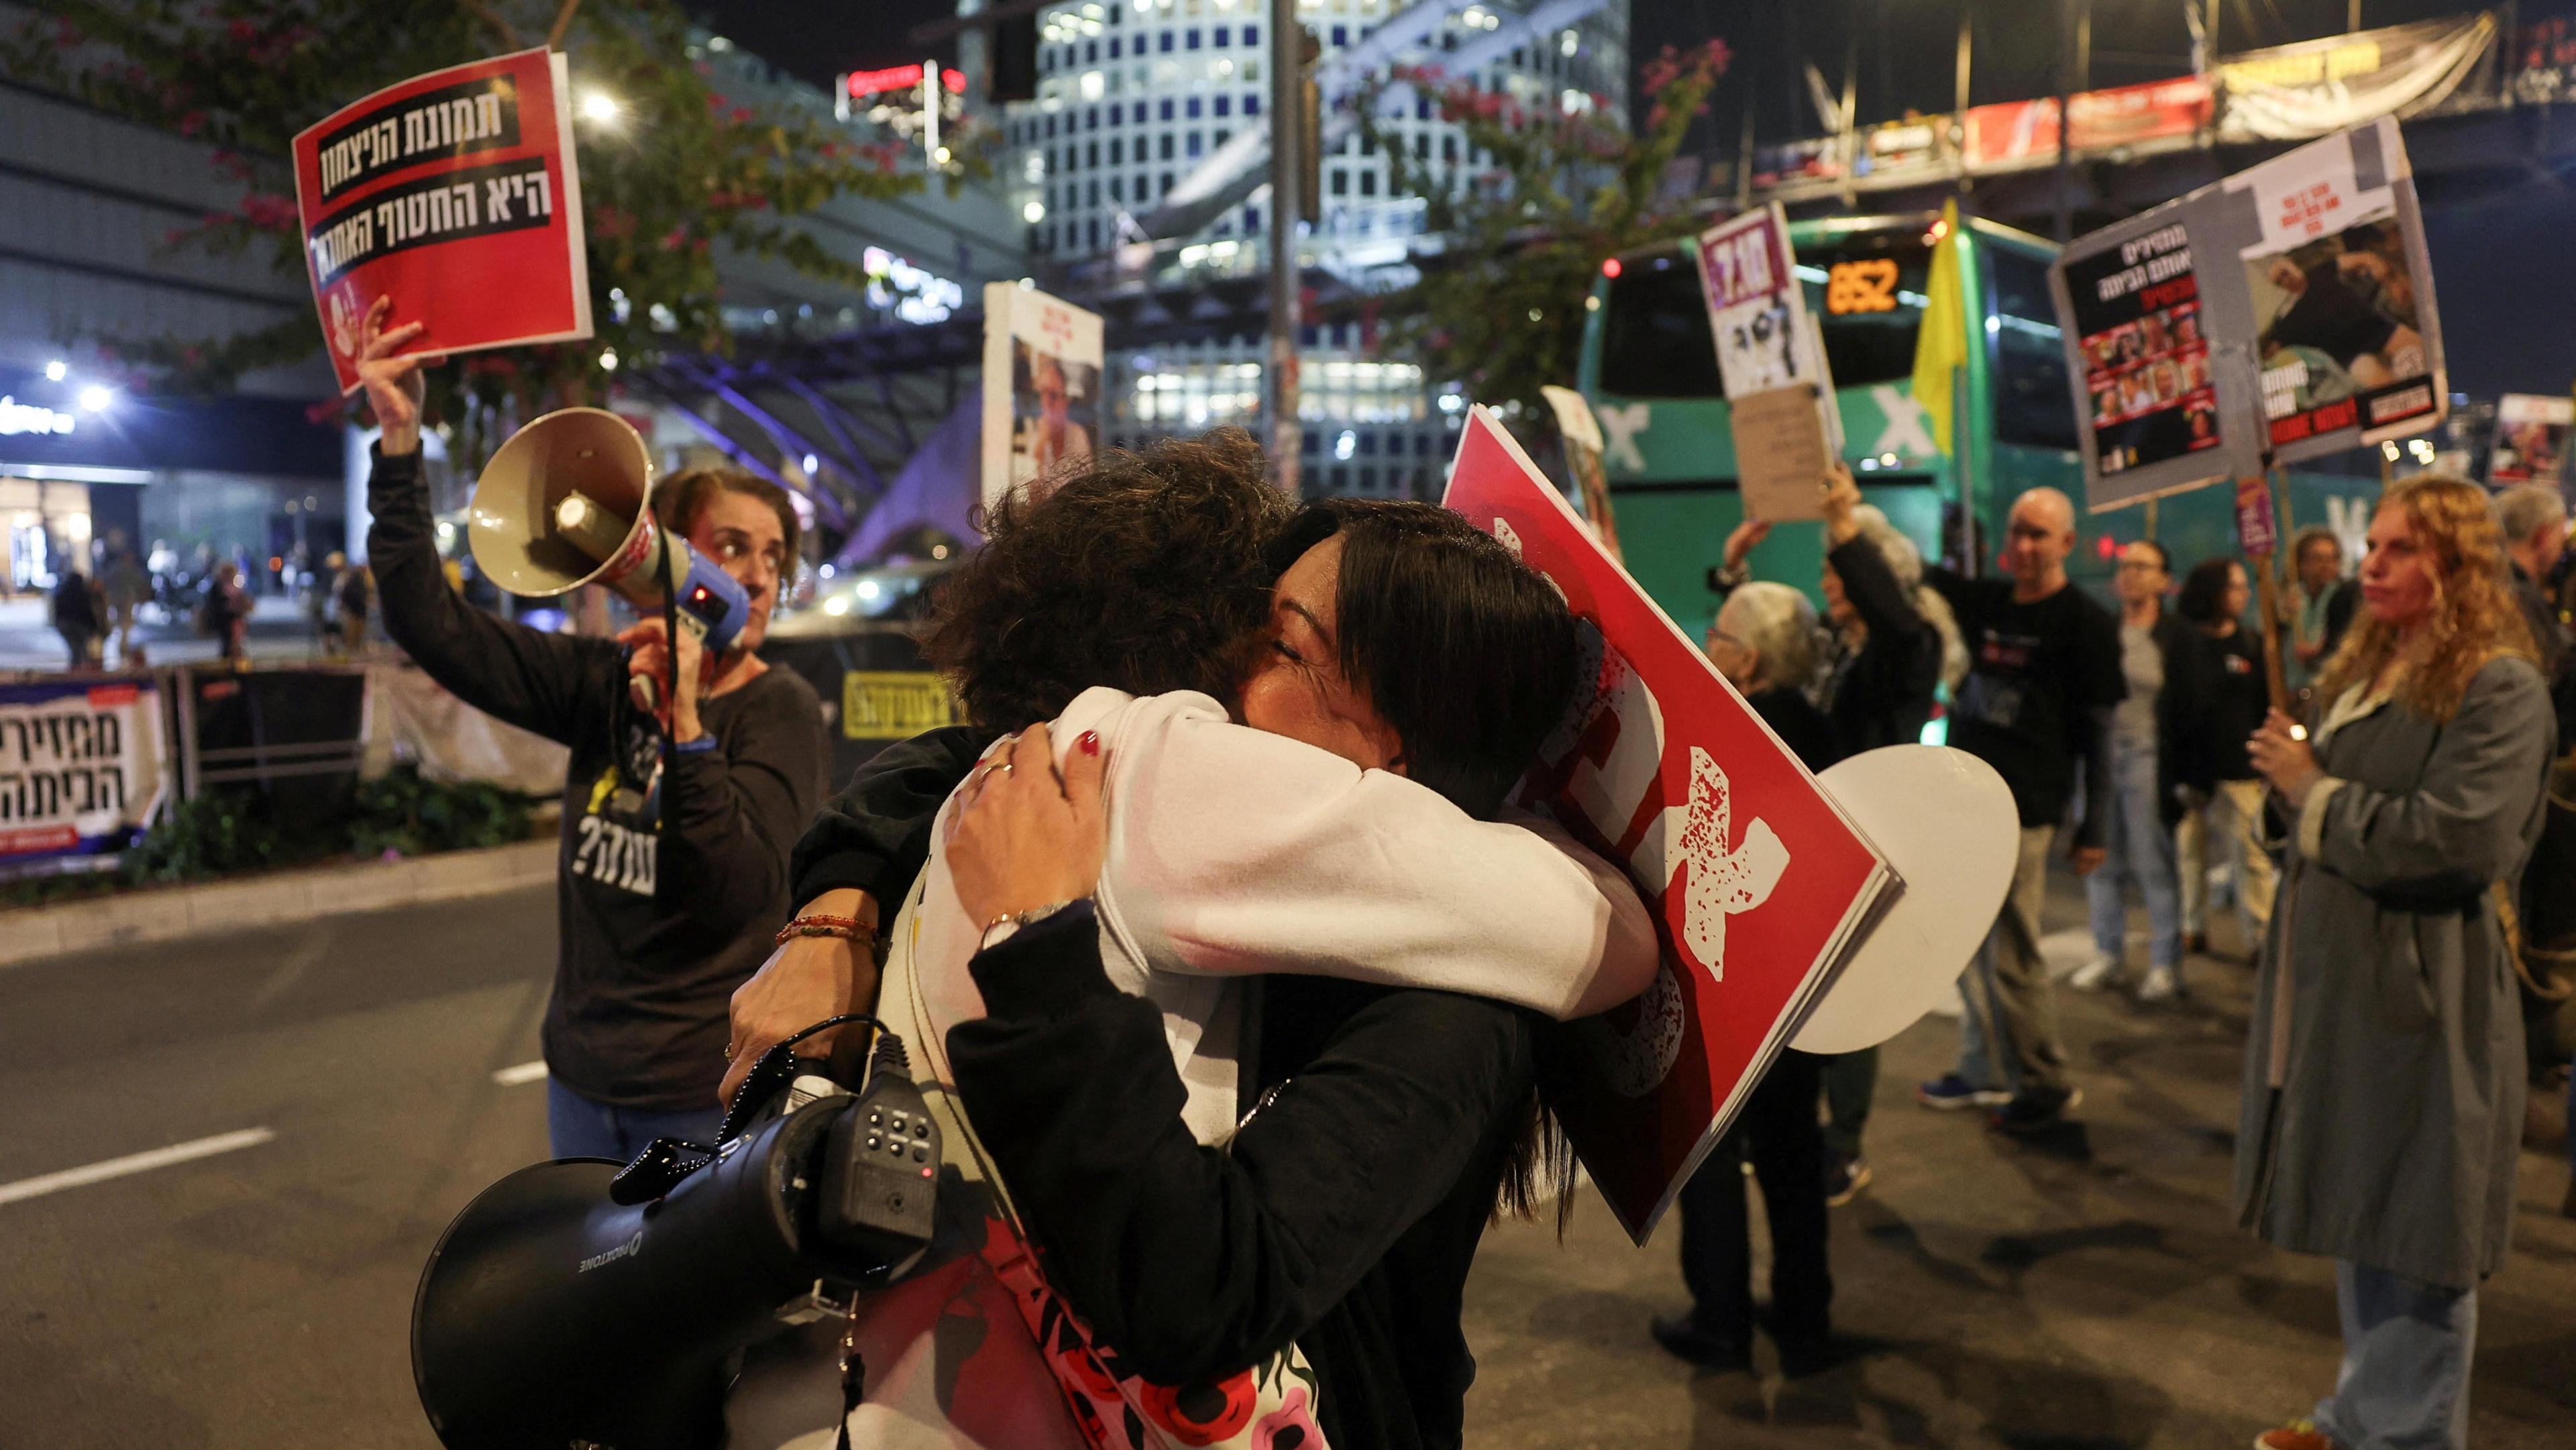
x=2318 y=87
x=80 y=766
x=2010 y=133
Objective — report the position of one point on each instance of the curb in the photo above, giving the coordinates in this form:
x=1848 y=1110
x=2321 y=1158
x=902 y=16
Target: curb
x=134 y=918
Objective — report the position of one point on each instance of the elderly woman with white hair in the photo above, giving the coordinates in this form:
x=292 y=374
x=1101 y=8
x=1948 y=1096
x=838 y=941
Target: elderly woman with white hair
x=1765 y=642
x=1894 y=645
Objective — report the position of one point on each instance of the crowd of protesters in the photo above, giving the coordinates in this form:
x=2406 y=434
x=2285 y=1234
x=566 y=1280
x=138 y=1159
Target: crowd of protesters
x=2399 y=845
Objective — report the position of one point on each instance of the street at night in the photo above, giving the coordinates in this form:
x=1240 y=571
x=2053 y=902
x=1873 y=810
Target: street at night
x=2000 y=1295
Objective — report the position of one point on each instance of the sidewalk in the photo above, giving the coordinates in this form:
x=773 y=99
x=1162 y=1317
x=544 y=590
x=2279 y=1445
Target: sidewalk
x=278 y=631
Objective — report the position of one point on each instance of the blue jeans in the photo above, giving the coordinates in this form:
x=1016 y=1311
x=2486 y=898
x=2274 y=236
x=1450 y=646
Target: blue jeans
x=2140 y=850
x=576 y=1127
x=2404 y=1384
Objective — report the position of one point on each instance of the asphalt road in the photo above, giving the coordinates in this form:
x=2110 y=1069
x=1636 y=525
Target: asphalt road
x=2086 y=1295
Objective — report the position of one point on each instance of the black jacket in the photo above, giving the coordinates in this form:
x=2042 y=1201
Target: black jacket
x=665 y=897
x=1883 y=694
x=1342 y=1217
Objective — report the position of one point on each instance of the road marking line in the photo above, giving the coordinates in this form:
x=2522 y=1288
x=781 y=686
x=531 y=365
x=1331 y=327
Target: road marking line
x=133 y=1163
x=524 y=1072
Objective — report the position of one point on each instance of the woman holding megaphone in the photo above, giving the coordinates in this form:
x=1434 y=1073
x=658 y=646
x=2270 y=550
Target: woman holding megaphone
x=680 y=801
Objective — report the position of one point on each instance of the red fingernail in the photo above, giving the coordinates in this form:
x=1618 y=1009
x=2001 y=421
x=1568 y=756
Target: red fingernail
x=1090 y=742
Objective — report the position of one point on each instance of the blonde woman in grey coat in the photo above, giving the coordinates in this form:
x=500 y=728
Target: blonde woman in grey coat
x=2383 y=1075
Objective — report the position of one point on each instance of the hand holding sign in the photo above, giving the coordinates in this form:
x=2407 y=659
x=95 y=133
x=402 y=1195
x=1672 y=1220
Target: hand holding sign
x=394 y=383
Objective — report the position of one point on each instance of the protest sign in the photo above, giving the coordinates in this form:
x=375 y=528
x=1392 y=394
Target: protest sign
x=2281 y=314
x=1042 y=358
x=2146 y=357
x=1767 y=342
x=2342 y=296
x=457 y=194
x=80 y=767
x=1758 y=879
x=2530 y=438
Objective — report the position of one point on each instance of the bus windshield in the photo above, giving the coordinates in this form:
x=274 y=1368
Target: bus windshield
x=1865 y=291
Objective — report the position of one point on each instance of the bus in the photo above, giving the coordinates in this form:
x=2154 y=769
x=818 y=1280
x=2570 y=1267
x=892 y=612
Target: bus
x=1649 y=369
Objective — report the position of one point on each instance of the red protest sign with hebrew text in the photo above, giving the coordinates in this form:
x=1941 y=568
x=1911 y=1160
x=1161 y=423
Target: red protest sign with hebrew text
x=457 y=194
x=1758 y=880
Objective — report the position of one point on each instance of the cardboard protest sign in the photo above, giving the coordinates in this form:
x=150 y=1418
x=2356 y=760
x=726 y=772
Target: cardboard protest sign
x=2530 y=438
x=1042 y=360
x=2342 y=296
x=80 y=766
x=457 y=193
x=1759 y=881
x=1767 y=343
x=2281 y=314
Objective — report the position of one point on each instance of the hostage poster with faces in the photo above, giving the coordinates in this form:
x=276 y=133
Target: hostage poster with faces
x=2282 y=314
x=2530 y=439
x=2146 y=356
x=1787 y=422
x=1759 y=883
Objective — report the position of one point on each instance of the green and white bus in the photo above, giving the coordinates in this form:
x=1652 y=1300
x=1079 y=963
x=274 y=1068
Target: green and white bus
x=1649 y=369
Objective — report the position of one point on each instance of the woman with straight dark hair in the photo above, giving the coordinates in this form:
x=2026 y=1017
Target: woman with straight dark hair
x=2384 y=1064
x=2219 y=693
x=1099 y=1049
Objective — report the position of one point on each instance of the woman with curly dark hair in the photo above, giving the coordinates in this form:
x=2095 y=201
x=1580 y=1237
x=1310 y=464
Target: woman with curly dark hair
x=1087 y=1048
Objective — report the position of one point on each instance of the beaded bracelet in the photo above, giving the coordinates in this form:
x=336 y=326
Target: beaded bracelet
x=848 y=928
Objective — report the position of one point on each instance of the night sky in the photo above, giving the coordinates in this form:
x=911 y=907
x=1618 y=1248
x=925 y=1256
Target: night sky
x=2500 y=335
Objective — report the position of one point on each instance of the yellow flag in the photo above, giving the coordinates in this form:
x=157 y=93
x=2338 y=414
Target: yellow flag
x=1941 y=347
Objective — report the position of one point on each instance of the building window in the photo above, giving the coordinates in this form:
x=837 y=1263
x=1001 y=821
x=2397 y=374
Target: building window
x=1422 y=146
x=1340 y=477
x=1341 y=183
x=1167 y=112
x=1368 y=181
x=1449 y=149
x=1093 y=229
x=1194 y=143
x=1221 y=134
x=1368 y=444
x=1252 y=35
x=1140 y=113
x=1050 y=127
x=1191 y=108
x=1114 y=194
x=1224 y=104
x=1091 y=154
x=1165 y=45
x=1368 y=476
x=1113 y=47
x=1252 y=105
x=1167 y=150
x=1312 y=443
x=1251 y=219
x=1224 y=37
x=1193 y=39
x=1091 y=119
x=1341 y=36
x=1116 y=145
x=1421 y=107
x=1094 y=197
x=1164 y=186
x=1090 y=51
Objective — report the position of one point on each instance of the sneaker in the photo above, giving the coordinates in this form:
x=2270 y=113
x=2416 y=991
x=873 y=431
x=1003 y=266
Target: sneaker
x=2160 y=986
x=1950 y=1092
x=2094 y=975
x=1685 y=1338
x=1844 y=1179
x=2036 y=1111
x=2296 y=1435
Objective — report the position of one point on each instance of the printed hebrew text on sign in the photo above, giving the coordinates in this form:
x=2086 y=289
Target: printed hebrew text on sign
x=80 y=766
x=456 y=193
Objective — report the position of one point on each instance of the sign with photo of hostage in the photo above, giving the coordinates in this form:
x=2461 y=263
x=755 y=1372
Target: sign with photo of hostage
x=2530 y=438
x=2145 y=349
x=457 y=194
x=2342 y=298
x=1042 y=366
x=1787 y=423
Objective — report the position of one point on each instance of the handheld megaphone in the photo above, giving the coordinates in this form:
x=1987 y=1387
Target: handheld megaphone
x=553 y=1314
x=568 y=501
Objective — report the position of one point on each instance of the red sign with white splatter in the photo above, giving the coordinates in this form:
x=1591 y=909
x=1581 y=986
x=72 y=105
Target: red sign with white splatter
x=1758 y=881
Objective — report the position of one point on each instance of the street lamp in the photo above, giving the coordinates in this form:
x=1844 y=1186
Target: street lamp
x=601 y=107
x=95 y=399
x=56 y=370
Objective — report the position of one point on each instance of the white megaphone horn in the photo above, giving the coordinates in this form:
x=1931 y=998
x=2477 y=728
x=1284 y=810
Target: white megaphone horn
x=568 y=501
